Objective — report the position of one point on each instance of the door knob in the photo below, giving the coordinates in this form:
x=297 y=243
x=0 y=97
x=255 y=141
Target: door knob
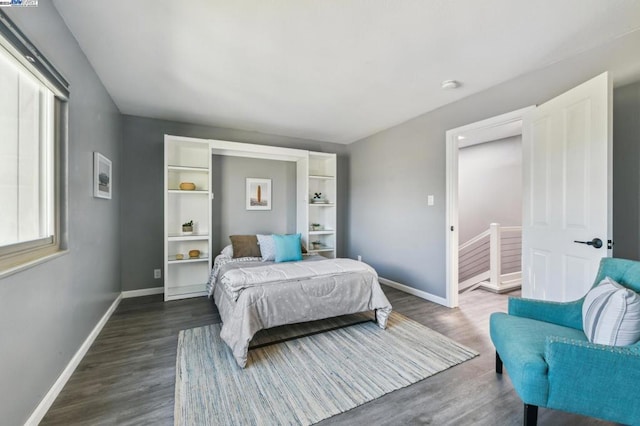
x=596 y=243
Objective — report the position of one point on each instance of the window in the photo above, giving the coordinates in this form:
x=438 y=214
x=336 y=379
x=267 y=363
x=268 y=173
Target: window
x=31 y=125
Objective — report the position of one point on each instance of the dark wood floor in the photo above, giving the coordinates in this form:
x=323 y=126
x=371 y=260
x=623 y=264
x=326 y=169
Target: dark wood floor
x=128 y=375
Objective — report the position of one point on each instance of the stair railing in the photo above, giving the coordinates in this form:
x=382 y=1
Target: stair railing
x=492 y=260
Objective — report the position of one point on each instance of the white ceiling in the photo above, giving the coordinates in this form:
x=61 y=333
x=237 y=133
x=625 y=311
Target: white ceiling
x=332 y=70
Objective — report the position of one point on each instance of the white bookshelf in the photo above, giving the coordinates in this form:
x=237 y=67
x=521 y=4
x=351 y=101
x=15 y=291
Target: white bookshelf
x=320 y=178
x=186 y=160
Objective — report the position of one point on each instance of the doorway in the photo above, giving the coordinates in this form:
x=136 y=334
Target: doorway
x=490 y=209
x=567 y=191
x=471 y=135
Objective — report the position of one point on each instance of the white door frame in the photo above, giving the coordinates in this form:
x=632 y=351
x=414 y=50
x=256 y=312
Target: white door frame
x=452 y=192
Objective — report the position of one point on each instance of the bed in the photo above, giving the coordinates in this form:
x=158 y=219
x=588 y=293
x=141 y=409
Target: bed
x=252 y=294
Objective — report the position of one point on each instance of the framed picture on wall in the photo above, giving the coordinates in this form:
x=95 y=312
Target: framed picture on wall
x=102 y=179
x=258 y=194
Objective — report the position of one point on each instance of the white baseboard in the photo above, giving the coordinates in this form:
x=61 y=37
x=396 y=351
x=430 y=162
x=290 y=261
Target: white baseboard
x=50 y=397
x=421 y=294
x=142 y=292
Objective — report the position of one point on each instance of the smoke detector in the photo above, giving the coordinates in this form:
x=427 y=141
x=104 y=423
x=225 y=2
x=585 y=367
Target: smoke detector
x=450 y=84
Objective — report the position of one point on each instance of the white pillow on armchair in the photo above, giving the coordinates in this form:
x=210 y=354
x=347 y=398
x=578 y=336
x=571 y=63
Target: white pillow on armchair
x=611 y=314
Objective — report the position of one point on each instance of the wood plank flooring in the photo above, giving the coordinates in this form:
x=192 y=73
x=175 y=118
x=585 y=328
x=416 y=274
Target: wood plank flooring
x=128 y=375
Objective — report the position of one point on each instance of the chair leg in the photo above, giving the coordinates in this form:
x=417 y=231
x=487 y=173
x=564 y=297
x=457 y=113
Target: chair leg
x=530 y=415
x=498 y=363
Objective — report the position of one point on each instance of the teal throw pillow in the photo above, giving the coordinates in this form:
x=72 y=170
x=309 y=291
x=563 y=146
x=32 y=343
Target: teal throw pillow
x=288 y=247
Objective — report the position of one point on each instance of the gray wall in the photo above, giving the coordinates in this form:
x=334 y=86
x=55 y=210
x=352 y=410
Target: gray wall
x=393 y=171
x=489 y=186
x=142 y=196
x=229 y=213
x=626 y=171
x=46 y=312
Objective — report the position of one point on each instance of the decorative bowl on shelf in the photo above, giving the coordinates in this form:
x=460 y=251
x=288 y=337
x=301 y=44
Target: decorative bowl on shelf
x=193 y=254
x=179 y=256
x=187 y=186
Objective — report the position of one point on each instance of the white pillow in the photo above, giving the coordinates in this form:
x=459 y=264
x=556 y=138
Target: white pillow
x=267 y=247
x=227 y=251
x=611 y=314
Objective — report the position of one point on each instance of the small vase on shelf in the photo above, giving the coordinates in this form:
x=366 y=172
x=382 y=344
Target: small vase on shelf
x=187 y=228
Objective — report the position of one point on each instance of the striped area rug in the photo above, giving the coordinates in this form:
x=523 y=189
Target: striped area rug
x=305 y=380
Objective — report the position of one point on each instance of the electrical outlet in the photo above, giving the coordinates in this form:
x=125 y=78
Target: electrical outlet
x=430 y=200
x=359 y=258
x=157 y=273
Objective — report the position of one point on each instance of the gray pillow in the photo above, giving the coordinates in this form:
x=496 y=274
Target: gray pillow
x=611 y=314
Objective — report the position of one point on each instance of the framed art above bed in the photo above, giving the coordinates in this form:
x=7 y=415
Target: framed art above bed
x=258 y=194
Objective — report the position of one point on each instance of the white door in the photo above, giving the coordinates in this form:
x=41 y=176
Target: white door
x=566 y=191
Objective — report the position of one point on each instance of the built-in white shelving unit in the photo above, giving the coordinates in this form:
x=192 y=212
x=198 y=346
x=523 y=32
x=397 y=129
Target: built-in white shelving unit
x=186 y=160
x=321 y=204
x=189 y=160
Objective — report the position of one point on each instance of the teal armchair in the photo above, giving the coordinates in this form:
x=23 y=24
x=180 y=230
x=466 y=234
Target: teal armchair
x=552 y=364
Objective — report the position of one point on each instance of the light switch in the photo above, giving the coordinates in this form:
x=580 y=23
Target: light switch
x=430 y=200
